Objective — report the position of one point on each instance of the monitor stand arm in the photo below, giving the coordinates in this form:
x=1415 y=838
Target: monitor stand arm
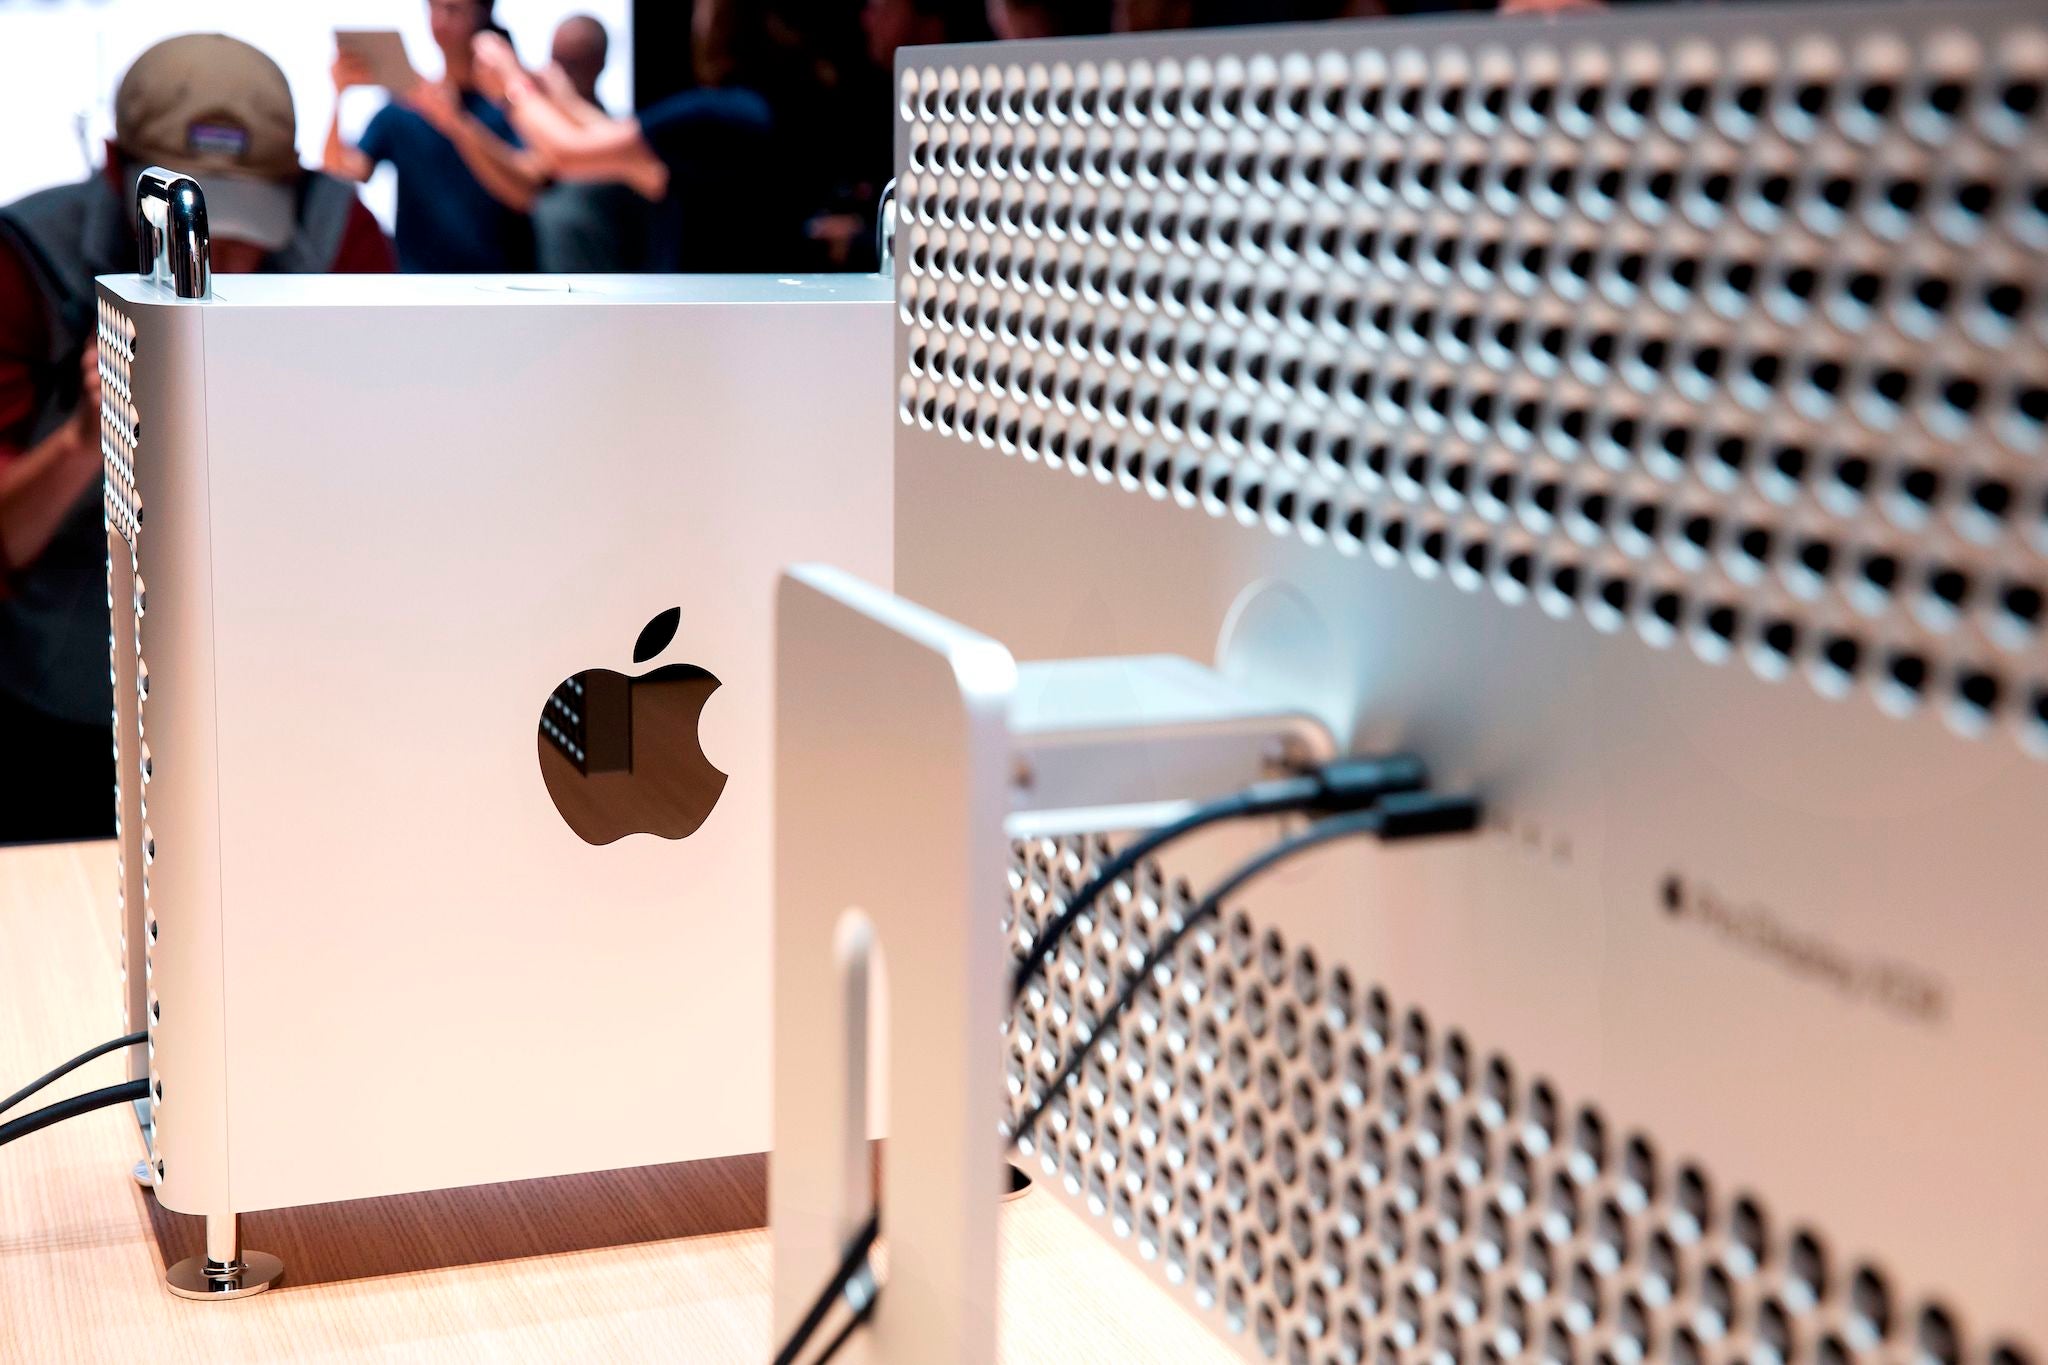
x=909 y=752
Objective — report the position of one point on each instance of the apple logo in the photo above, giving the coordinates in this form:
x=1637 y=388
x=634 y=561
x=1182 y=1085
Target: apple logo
x=620 y=755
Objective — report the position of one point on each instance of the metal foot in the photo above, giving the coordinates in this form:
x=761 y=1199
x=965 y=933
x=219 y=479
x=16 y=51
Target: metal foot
x=225 y=1271
x=143 y=1175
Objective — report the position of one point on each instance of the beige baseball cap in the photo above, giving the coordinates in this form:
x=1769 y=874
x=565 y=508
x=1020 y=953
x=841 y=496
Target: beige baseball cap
x=220 y=111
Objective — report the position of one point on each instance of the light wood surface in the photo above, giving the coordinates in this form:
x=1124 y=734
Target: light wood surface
x=661 y=1264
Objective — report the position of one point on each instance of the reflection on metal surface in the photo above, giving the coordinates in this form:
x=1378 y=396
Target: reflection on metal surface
x=621 y=755
x=173 y=245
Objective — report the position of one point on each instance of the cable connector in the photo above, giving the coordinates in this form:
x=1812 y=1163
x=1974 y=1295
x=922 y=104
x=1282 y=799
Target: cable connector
x=1421 y=815
x=1334 y=788
x=1347 y=784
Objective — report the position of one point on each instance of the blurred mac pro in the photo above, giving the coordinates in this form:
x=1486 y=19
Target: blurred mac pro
x=1641 y=419
x=441 y=648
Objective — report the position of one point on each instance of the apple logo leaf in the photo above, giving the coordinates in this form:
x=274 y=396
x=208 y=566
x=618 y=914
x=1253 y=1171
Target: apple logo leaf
x=656 y=634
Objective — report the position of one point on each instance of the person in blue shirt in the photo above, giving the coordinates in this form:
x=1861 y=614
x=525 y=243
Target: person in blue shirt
x=465 y=185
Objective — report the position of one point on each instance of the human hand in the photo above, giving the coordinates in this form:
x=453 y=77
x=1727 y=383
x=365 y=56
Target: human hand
x=490 y=82
x=350 y=70
x=496 y=64
x=436 y=102
x=555 y=83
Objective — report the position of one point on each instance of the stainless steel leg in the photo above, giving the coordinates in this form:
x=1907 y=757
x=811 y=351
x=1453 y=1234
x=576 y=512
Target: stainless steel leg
x=225 y=1271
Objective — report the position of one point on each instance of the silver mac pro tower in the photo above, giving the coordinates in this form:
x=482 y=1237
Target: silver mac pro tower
x=442 y=620
x=1644 y=420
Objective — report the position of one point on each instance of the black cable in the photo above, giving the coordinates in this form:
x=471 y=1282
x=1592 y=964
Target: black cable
x=853 y=1324
x=1405 y=815
x=1344 y=785
x=71 y=1109
x=849 y=1266
x=76 y=1062
x=1402 y=811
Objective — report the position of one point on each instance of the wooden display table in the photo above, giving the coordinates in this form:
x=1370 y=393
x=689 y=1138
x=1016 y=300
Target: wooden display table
x=665 y=1263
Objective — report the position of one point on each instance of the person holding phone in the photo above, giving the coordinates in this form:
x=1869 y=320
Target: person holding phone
x=465 y=185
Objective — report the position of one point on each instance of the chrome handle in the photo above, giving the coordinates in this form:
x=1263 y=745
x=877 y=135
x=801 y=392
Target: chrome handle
x=885 y=229
x=173 y=246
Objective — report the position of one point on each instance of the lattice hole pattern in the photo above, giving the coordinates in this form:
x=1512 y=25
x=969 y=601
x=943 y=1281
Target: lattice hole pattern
x=120 y=443
x=1721 y=337
x=1336 y=1176
x=120 y=425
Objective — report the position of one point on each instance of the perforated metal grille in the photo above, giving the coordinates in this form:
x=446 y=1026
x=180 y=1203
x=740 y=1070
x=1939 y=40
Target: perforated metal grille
x=120 y=424
x=120 y=828
x=144 y=772
x=1339 y=1177
x=1709 y=333
x=141 y=771
x=120 y=439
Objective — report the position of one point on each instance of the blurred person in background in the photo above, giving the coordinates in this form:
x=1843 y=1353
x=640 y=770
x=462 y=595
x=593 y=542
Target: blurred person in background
x=220 y=111
x=703 y=156
x=1150 y=16
x=1048 y=18
x=578 y=53
x=890 y=24
x=585 y=225
x=464 y=184
x=841 y=221
x=808 y=60
x=904 y=23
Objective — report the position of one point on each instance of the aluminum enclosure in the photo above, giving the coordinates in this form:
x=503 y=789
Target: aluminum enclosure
x=363 y=529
